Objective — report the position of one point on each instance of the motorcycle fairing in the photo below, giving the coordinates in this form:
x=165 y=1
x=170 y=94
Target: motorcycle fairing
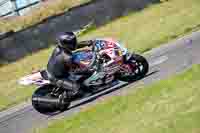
x=82 y=58
x=98 y=78
x=106 y=43
x=108 y=46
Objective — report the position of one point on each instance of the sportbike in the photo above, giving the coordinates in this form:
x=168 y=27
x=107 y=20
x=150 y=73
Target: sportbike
x=110 y=62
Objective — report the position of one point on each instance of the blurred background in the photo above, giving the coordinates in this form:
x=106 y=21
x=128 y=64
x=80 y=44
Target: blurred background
x=16 y=7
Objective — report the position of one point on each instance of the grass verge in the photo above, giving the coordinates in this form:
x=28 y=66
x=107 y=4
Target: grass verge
x=38 y=14
x=141 y=31
x=170 y=106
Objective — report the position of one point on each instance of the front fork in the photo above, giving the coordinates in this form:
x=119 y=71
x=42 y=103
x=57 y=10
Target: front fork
x=129 y=64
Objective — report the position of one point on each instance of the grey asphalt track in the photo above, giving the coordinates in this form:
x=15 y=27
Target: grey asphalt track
x=165 y=61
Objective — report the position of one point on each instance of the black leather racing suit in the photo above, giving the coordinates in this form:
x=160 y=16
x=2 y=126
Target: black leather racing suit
x=59 y=65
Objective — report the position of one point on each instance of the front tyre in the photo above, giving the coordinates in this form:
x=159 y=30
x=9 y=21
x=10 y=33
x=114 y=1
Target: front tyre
x=135 y=68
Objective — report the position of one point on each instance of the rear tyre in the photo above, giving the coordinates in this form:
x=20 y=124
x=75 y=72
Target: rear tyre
x=44 y=102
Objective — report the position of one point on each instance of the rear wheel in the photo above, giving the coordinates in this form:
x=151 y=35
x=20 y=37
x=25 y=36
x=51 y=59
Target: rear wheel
x=44 y=102
x=135 y=68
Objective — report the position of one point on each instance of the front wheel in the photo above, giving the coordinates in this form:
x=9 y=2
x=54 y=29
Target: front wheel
x=135 y=68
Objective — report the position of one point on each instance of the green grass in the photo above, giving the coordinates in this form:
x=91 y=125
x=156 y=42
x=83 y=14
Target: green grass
x=10 y=92
x=169 y=106
x=140 y=31
x=155 y=25
x=38 y=14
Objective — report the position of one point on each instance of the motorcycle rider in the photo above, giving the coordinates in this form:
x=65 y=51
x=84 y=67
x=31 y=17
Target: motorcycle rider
x=61 y=60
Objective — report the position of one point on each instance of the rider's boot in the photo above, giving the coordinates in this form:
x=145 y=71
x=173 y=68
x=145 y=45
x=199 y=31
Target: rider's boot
x=71 y=87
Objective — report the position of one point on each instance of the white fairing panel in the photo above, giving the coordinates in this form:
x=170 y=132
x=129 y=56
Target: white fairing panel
x=35 y=79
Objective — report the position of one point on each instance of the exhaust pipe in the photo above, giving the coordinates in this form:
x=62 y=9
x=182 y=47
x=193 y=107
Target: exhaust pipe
x=45 y=104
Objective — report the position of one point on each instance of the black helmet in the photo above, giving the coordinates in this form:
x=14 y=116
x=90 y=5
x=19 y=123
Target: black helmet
x=67 y=41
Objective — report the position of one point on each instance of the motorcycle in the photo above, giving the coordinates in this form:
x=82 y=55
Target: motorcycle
x=110 y=61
